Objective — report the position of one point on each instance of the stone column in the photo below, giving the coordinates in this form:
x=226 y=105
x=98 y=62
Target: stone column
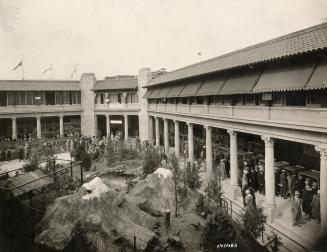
x=233 y=158
x=269 y=171
x=209 y=152
x=108 y=124
x=61 y=125
x=14 y=128
x=157 y=132
x=126 y=126
x=151 y=133
x=190 y=143
x=38 y=127
x=166 y=136
x=177 y=144
x=323 y=186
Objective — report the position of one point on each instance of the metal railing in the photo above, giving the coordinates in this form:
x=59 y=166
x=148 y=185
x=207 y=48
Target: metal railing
x=225 y=202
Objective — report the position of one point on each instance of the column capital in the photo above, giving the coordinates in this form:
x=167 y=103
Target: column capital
x=322 y=149
x=207 y=127
x=189 y=124
x=61 y=116
x=13 y=118
x=232 y=133
x=267 y=139
x=38 y=117
x=176 y=121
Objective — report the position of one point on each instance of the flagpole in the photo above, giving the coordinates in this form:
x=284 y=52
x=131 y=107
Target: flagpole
x=23 y=66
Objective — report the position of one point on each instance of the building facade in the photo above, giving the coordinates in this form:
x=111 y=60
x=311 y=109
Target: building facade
x=268 y=100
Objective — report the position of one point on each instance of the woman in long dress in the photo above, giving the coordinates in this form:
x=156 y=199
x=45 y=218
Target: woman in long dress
x=296 y=209
x=316 y=207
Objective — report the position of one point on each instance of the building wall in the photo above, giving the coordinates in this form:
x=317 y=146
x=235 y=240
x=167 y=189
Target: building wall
x=143 y=78
x=88 y=119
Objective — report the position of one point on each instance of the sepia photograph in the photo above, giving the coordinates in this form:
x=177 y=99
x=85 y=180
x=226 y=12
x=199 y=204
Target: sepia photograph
x=163 y=125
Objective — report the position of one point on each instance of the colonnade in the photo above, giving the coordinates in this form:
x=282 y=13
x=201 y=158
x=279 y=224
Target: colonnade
x=38 y=126
x=125 y=125
x=234 y=170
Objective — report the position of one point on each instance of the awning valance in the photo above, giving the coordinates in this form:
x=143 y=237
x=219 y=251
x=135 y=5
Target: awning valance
x=284 y=79
x=319 y=77
x=191 y=88
x=176 y=90
x=241 y=83
x=211 y=86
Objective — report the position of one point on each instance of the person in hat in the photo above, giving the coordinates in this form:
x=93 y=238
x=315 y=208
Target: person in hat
x=283 y=184
x=261 y=179
x=315 y=204
x=314 y=187
x=296 y=209
x=306 y=202
x=249 y=201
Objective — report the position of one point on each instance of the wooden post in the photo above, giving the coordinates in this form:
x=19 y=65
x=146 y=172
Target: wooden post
x=134 y=243
x=54 y=165
x=71 y=168
x=176 y=198
x=82 y=182
x=167 y=218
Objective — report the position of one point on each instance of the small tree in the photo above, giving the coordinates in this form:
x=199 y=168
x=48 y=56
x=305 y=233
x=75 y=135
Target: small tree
x=218 y=230
x=193 y=176
x=213 y=191
x=252 y=223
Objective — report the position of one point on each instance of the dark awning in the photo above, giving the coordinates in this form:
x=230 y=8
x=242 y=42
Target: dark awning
x=164 y=92
x=176 y=90
x=155 y=92
x=284 y=78
x=190 y=88
x=211 y=86
x=241 y=83
x=147 y=93
x=319 y=77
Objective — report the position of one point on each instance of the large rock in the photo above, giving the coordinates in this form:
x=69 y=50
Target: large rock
x=155 y=194
x=95 y=204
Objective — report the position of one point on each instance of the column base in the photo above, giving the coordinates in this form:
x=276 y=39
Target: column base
x=271 y=211
x=236 y=192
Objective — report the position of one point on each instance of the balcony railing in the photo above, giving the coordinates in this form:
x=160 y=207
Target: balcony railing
x=302 y=116
x=116 y=107
x=40 y=109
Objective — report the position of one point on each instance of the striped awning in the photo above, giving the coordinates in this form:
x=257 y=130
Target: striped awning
x=319 y=77
x=147 y=93
x=211 y=86
x=285 y=78
x=164 y=92
x=155 y=92
x=241 y=83
x=176 y=90
x=191 y=88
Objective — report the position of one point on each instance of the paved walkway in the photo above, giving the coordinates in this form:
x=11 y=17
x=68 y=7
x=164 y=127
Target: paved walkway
x=8 y=166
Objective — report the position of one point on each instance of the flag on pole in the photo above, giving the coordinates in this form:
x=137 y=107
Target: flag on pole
x=74 y=72
x=19 y=65
x=48 y=69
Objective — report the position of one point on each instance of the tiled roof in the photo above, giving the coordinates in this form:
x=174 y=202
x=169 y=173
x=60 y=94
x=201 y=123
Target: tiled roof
x=113 y=84
x=39 y=85
x=303 y=41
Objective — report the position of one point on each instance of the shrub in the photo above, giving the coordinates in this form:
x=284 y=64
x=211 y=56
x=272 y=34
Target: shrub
x=86 y=161
x=151 y=161
x=252 y=223
x=218 y=230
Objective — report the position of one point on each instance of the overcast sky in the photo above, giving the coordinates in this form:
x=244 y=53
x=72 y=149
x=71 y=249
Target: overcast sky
x=110 y=37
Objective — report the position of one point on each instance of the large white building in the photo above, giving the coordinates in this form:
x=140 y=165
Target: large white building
x=268 y=99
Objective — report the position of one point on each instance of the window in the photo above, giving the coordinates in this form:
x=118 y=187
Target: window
x=29 y=98
x=278 y=99
x=59 y=97
x=75 y=97
x=249 y=99
x=313 y=100
x=219 y=100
